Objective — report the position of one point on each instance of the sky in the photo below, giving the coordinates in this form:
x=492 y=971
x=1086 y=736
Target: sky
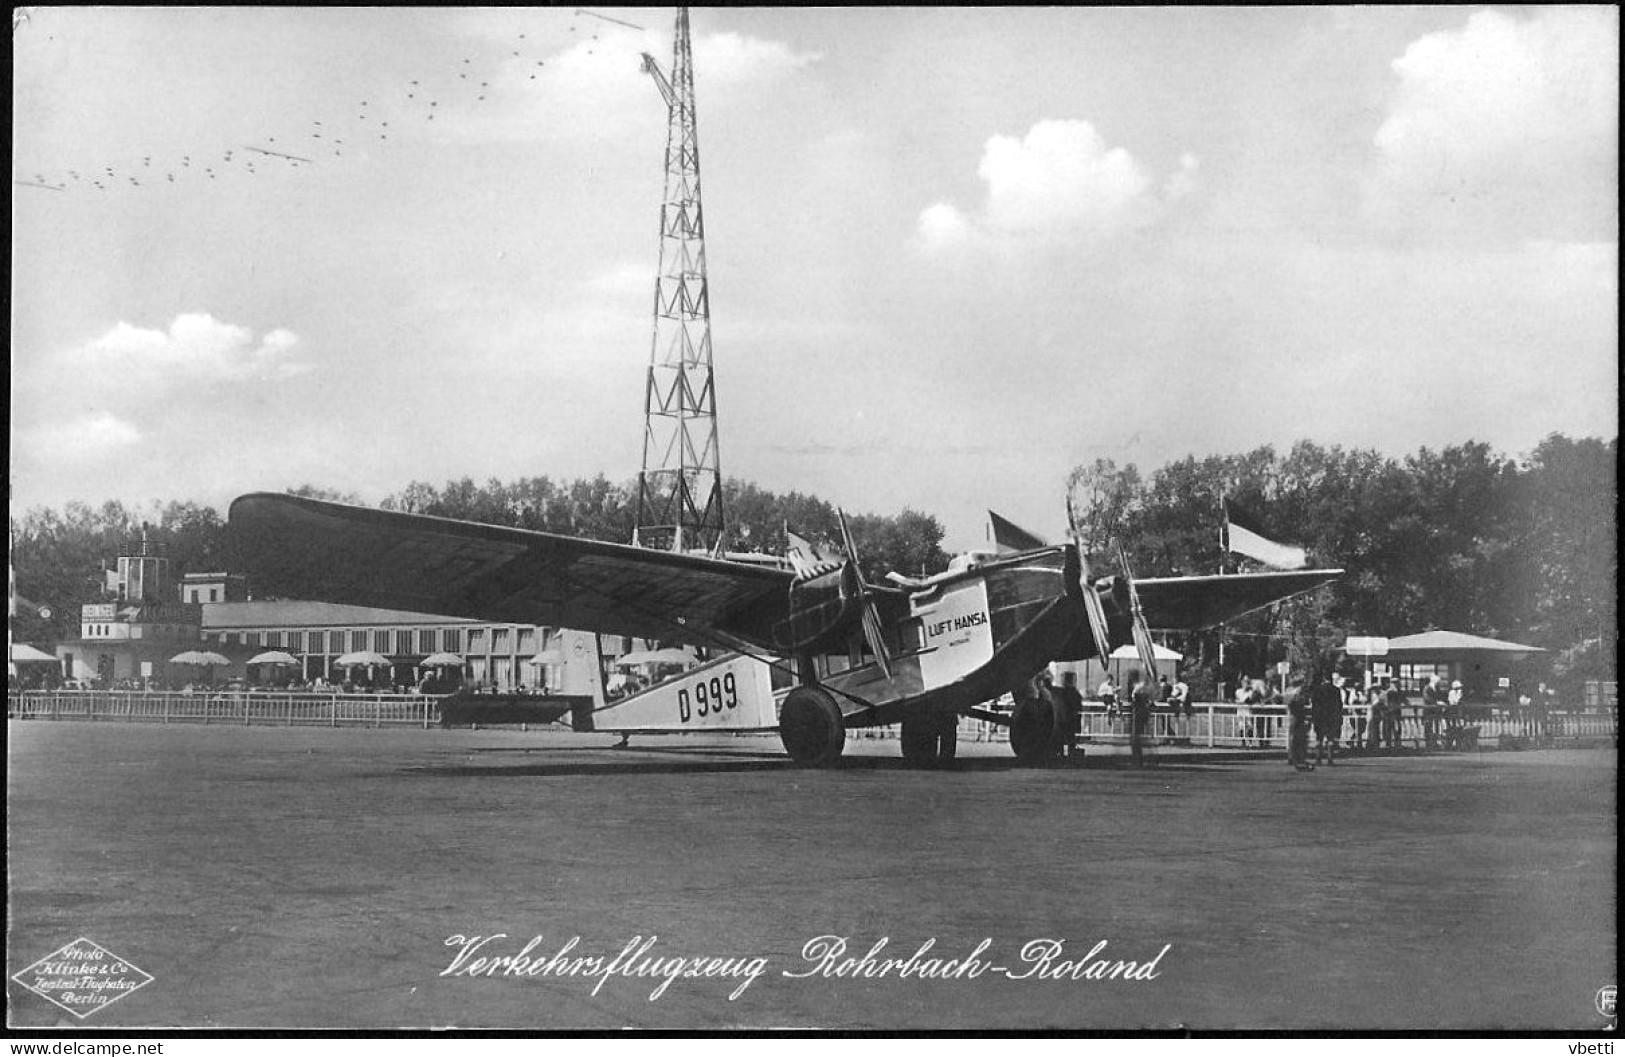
x=952 y=253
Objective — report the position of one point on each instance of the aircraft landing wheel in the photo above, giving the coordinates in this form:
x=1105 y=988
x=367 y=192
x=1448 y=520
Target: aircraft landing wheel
x=1037 y=728
x=811 y=727
x=929 y=739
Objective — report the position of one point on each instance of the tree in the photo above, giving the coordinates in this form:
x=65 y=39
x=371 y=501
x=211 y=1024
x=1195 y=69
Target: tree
x=1568 y=550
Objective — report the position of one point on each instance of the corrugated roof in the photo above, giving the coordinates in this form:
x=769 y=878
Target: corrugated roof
x=219 y=615
x=1456 y=640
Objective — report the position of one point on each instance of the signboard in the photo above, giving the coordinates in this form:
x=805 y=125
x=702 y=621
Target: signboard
x=1283 y=667
x=99 y=611
x=956 y=632
x=1366 y=646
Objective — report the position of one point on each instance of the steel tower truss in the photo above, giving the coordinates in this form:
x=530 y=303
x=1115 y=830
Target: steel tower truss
x=680 y=484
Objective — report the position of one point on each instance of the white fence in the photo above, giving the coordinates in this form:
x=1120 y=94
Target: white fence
x=1206 y=725
x=238 y=707
x=1213 y=725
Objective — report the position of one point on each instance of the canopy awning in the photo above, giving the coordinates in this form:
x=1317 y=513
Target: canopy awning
x=1436 y=643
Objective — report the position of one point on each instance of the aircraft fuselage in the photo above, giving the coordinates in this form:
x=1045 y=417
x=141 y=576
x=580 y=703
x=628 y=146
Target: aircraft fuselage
x=964 y=639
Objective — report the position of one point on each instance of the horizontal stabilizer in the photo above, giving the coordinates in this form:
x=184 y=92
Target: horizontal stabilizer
x=731 y=693
x=1186 y=603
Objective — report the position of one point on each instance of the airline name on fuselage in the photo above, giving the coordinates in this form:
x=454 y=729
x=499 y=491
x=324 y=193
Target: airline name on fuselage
x=959 y=623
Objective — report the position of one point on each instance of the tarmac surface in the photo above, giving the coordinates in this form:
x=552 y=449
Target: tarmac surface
x=312 y=878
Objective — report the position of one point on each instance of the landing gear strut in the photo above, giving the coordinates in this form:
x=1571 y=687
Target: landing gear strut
x=811 y=727
x=930 y=738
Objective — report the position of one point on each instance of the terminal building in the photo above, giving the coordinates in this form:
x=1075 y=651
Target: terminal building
x=146 y=620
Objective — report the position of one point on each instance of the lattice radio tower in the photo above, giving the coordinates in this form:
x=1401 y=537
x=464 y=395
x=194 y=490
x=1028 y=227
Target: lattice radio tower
x=680 y=485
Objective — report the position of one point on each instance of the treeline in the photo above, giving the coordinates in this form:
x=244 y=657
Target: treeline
x=1461 y=538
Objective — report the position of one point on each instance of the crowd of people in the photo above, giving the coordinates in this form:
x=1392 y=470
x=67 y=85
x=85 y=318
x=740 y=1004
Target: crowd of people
x=1327 y=710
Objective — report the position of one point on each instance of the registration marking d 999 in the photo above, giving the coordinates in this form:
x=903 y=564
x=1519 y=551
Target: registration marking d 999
x=710 y=697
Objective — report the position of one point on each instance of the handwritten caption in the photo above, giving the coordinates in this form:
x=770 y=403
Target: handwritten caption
x=827 y=957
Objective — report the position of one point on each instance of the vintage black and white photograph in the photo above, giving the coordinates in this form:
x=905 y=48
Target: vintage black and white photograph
x=1055 y=520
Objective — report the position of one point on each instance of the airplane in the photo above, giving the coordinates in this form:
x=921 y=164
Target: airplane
x=919 y=652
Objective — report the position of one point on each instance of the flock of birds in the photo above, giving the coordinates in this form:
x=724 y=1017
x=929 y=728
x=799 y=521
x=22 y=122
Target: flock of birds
x=373 y=120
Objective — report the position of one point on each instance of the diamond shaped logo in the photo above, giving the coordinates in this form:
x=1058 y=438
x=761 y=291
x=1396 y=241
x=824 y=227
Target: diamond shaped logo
x=82 y=977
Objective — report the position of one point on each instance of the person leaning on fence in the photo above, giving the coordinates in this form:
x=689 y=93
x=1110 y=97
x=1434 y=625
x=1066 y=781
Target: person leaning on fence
x=1433 y=706
x=1297 y=710
x=1354 y=713
x=1455 y=717
x=1393 y=714
x=1179 y=702
x=1373 y=718
x=1326 y=706
x=1108 y=696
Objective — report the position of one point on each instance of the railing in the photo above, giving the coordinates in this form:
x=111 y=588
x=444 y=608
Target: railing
x=239 y=707
x=1208 y=725
x=1214 y=725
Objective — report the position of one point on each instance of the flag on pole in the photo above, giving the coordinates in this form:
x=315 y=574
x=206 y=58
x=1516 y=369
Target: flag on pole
x=1009 y=538
x=1244 y=535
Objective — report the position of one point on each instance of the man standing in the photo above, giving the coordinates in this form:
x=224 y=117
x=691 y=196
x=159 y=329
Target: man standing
x=1326 y=704
x=1297 y=742
x=1072 y=703
x=1139 y=699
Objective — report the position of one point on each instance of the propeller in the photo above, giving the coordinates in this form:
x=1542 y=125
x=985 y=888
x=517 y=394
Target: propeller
x=871 y=614
x=1142 y=631
x=1091 y=600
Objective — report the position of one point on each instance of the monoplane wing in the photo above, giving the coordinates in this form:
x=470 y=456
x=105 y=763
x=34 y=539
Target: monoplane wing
x=293 y=547
x=1185 y=603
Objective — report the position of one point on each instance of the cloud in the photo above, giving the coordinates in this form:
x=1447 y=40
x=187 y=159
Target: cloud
x=942 y=225
x=731 y=59
x=196 y=348
x=1505 y=126
x=85 y=438
x=1183 y=181
x=1060 y=178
